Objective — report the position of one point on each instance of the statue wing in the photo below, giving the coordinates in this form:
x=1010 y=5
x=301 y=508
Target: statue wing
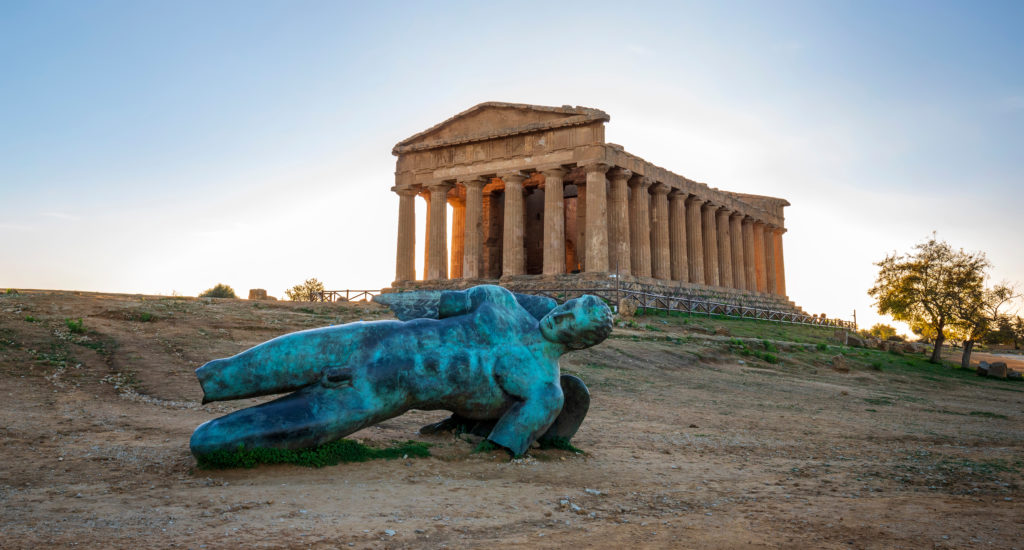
x=426 y=304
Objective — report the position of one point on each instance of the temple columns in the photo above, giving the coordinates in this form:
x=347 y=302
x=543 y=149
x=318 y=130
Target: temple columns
x=473 y=246
x=405 y=264
x=677 y=234
x=437 y=233
x=780 y=266
x=769 y=260
x=554 y=221
x=661 y=263
x=762 y=275
x=694 y=240
x=739 y=278
x=640 y=226
x=749 y=259
x=618 y=221
x=710 y=251
x=513 y=257
x=597 y=218
x=724 y=248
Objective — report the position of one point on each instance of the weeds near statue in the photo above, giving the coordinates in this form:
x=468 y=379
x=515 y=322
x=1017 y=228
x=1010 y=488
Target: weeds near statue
x=487 y=355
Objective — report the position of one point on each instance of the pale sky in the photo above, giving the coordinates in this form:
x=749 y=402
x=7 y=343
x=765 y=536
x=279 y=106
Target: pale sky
x=161 y=147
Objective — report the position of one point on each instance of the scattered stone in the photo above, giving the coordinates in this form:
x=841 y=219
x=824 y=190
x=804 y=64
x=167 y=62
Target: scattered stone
x=1014 y=375
x=997 y=370
x=627 y=308
x=854 y=341
x=840 y=336
x=839 y=364
x=694 y=426
x=389 y=532
x=594 y=492
x=722 y=331
x=982 y=369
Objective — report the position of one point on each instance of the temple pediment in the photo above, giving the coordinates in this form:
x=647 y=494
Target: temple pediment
x=493 y=120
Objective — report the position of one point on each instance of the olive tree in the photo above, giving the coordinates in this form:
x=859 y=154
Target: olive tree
x=976 y=318
x=925 y=287
x=308 y=291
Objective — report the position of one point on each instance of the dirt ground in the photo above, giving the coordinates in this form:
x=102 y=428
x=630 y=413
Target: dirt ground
x=702 y=434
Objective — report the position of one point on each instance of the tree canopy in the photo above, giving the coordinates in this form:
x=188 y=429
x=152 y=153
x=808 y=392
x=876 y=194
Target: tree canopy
x=309 y=291
x=926 y=286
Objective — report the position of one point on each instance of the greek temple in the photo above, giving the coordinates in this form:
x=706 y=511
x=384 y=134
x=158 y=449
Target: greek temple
x=539 y=197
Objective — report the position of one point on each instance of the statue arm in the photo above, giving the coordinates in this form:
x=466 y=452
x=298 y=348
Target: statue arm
x=539 y=403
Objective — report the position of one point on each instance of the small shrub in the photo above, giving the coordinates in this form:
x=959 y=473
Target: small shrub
x=822 y=346
x=146 y=317
x=876 y=365
x=308 y=291
x=771 y=358
x=11 y=291
x=75 y=325
x=219 y=291
x=31 y=319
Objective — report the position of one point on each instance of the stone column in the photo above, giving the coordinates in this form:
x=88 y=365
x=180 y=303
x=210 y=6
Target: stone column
x=581 y=224
x=661 y=255
x=597 y=218
x=739 y=277
x=762 y=275
x=554 y=221
x=694 y=240
x=425 y=193
x=769 y=260
x=513 y=257
x=749 y=257
x=640 y=226
x=405 y=264
x=458 y=236
x=677 y=234
x=437 y=237
x=472 y=259
x=724 y=248
x=619 y=260
x=780 y=264
x=710 y=243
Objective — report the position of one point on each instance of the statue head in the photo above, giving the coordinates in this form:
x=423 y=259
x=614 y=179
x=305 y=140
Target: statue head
x=579 y=323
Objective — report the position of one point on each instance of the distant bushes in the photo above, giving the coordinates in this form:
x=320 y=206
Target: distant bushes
x=219 y=291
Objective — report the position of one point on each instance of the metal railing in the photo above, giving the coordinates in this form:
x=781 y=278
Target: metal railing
x=345 y=295
x=692 y=305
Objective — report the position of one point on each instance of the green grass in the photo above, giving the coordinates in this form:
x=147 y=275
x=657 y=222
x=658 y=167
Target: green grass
x=328 y=454
x=75 y=325
x=11 y=291
x=561 y=443
x=31 y=319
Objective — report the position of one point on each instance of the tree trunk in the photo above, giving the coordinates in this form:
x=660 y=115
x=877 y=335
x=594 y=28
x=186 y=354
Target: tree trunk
x=965 y=359
x=939 y=339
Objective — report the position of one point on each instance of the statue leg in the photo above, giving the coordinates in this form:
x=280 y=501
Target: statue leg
x=574 y=409
x=312 y=416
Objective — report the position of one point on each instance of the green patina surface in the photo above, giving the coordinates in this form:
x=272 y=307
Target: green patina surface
x=479 y=353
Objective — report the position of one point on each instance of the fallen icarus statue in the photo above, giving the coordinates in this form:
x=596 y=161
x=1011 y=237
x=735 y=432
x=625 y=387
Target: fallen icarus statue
x=487 y=355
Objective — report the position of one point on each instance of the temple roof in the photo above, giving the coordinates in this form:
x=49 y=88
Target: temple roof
x=495 y=119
